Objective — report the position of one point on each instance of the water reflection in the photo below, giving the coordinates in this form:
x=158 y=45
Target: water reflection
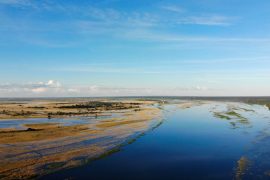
x=192 y=143
x=195 y=140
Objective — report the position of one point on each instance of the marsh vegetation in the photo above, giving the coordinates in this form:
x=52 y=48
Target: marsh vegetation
x=50 y=109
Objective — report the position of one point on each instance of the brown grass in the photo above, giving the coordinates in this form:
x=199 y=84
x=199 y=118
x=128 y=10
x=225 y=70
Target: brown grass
x=44 y=109
x=26 y=153
x=42 y=133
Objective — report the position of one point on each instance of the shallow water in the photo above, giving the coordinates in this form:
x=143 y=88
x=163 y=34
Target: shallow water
x=191 y=143
x=18 y=124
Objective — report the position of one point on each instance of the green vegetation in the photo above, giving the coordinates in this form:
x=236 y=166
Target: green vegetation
x=94 y=105
x=229 y=115
x=37 y=107
x=221 y=116
x=261 y=101
x=235 y=114
x=248 y=110
x=18 y=113
x=268 y=105
x=235 y=118
x=54 y=165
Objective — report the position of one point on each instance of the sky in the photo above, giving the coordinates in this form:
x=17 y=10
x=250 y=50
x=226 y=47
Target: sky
x=134 y=48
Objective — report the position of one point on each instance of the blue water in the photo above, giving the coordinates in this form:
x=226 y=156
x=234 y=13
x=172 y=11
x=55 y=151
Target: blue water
x=19 y=123
x=189 y=144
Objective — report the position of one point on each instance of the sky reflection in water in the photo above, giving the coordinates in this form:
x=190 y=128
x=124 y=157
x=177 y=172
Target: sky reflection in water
x=191 y=143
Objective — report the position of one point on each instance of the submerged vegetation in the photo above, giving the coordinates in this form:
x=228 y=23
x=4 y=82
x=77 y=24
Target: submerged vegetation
x=228 y=115
x=221 y=116
x=242 y=165
x=232 y=114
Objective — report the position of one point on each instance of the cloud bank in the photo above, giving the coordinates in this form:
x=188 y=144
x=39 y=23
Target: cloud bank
x=53 y=88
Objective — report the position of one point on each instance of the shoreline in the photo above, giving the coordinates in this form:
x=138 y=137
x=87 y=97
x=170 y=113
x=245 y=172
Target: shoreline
x=56 y=147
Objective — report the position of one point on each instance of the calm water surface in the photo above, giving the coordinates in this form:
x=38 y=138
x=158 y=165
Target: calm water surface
x=18 y=124
x=190 y=144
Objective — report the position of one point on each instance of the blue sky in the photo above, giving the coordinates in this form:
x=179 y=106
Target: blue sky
x=134 y=47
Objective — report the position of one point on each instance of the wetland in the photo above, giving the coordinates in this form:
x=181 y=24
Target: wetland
x=135 y=138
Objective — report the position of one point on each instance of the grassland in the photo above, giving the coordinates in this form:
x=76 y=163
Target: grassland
x=64 y=108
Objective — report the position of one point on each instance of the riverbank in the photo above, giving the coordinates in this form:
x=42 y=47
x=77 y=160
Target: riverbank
x=42 y=148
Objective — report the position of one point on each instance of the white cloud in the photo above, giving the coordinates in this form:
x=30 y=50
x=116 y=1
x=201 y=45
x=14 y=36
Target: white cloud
x=53 y=83
x=73 y=90
x=39 y=90
x=48 y=89
x=201 y=88
x=211 y=20
x=147 y=35
x=104 y=69
x=85 y=22
x=173 y=8
x=14 y=2
x=19 y=3
x=89 y=16
x=53 y=88
x=89 y=20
